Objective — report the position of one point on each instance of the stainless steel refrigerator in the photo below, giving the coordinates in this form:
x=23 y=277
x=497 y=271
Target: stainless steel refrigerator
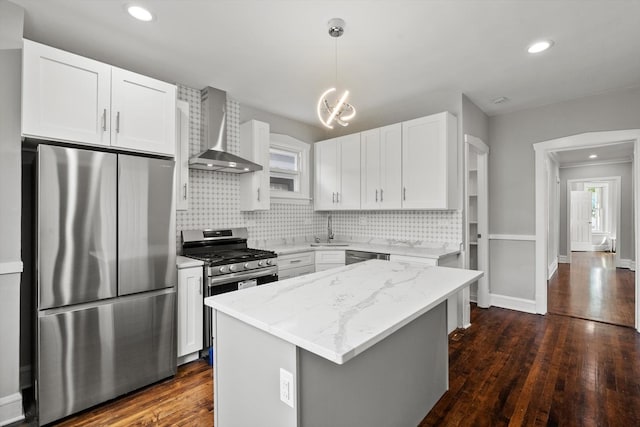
x=105 y=275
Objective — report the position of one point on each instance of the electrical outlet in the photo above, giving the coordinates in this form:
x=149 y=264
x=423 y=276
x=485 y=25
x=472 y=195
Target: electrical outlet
x=286 y=387
x=250 y=223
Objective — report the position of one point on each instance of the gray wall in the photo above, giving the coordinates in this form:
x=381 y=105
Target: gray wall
x=511 y=164
x=474 y=121
x=283 y=125
x=626 y=242
x=11 y=20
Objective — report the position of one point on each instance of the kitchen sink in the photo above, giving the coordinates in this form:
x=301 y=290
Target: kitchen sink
x=329 y=244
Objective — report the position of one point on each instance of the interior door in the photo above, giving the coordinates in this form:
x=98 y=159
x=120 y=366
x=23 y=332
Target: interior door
x=580 y=220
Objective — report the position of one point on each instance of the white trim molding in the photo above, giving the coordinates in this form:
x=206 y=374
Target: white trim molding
x=522 y=237
x=513 y=303
x=12 y=267
x=11 y=409
x=627 y=263
x=553 y=267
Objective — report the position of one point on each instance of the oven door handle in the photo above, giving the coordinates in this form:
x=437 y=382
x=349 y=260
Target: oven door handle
x=240 y=276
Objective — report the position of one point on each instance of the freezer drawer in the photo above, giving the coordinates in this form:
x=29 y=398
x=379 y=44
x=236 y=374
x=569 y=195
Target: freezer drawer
x=89 y=355
x=76 y=226
x=146 y=228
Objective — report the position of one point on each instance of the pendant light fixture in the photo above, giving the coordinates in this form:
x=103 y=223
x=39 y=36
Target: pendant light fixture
x=332 y=105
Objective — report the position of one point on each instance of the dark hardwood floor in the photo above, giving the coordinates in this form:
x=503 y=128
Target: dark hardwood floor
x=185 y=400
x=592 y=288
x=512 y=368
x=508 y=368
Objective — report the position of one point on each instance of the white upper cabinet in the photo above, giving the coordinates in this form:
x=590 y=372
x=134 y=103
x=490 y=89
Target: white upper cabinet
x=430 y=163
x=337 y=173
x=381 y=168
x=66 y=97
x=142 y=113
x=255 y=186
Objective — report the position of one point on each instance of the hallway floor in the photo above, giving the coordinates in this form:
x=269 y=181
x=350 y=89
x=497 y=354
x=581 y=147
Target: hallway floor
x=592 y=288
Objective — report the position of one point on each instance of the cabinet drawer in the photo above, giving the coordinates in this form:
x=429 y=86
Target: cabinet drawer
x=295 y=260
x=330 y=257
x=295 y=272
x=416 y=259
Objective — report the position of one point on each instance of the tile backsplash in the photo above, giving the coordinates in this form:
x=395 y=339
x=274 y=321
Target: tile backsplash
x=214 y=202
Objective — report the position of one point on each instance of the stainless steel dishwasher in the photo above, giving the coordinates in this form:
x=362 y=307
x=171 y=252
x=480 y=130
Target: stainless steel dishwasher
x=351 y=256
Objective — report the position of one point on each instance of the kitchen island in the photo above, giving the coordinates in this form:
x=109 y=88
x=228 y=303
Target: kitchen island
x=361 y=345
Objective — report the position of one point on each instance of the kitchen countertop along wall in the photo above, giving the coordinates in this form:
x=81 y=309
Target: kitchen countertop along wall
x=415 y=248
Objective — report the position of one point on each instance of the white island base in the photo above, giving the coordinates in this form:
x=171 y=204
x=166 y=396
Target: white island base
x=366 y=345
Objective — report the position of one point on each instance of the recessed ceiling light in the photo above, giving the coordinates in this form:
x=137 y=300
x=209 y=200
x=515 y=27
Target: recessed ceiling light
x=593 y=156
x=540 y=46
x=140 y=13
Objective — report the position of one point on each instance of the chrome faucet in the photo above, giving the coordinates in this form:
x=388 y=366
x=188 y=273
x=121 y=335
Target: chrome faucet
x=329 y=230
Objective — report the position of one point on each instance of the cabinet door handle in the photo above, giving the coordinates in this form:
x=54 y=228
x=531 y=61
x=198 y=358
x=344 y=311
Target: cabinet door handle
x=404 y=193
x=104 y=120
x=184 y=192
x=118 y=122
x=381 y=193
x=200 y=289
x=337 y=197
x=258 y=193
x=376 y=195
x=333 y=197
x=295 y=261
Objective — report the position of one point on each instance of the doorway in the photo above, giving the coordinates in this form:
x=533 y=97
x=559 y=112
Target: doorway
x=544 y=154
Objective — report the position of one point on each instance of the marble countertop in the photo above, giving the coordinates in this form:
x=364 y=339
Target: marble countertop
x=186 y=262
x=388 y=247
x=339 y=313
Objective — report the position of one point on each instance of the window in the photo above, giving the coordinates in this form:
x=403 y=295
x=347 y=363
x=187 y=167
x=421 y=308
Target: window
x=598 y=205
x=289 y=168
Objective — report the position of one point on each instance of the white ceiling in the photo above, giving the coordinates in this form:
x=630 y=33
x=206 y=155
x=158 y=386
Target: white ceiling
x=395 y=56
x=622 y=152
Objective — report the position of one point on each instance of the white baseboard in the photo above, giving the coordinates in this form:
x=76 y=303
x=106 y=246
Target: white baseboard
x=553 y=267
x=11 y=409
x=513 y=303
x=627 y=263
x=11 y=267
x=188 y=358
x=25 y=377
x=563 y=259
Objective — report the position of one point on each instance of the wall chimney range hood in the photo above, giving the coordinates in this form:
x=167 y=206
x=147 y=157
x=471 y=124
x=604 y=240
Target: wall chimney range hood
x=214 y=120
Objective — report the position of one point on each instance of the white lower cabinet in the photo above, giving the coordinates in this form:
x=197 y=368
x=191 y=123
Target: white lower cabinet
x=190 y=311
x=293 y=265
x=326 y=260
x=454 y=302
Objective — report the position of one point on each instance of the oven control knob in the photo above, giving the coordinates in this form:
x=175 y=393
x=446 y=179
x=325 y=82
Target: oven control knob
x=268 y=262
x=232 y=268
x=222 y=269
x=246 y=265
x=260 y=263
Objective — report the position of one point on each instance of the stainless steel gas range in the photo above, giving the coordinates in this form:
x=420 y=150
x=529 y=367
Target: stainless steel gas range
x=229 y=265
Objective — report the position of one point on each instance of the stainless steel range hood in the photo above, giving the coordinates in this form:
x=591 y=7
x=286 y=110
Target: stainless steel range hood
x=214 y=120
